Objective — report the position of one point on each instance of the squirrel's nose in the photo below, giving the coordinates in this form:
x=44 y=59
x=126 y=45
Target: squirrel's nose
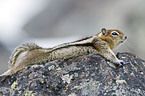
x=125 y=37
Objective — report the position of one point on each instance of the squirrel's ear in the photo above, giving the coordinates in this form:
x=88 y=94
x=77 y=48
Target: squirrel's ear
x=104 y=31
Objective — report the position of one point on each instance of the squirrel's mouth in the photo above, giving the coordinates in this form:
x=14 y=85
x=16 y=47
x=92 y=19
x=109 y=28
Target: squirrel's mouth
x=122 y=41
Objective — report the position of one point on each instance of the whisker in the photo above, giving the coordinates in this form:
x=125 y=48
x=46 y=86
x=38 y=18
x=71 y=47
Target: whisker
x=130 y=45
x=124 y=46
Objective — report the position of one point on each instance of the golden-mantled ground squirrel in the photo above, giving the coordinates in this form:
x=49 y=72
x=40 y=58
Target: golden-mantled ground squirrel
x=102 y=43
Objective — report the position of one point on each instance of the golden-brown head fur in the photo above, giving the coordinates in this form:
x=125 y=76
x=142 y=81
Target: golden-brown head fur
x=112 y=37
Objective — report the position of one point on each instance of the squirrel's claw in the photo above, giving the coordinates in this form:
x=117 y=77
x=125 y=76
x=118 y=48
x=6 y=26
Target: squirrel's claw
x=121 y=63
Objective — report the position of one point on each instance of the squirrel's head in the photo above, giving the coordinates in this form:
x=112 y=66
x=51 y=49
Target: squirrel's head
x=112 y=37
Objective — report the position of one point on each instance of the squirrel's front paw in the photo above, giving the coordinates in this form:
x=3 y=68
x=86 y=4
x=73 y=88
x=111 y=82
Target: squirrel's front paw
x=120 y=63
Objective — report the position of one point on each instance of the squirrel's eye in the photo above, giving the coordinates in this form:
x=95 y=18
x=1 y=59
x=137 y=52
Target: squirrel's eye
x=114 y=33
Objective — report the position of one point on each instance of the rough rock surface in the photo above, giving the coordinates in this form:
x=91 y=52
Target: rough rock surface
x=88 y=75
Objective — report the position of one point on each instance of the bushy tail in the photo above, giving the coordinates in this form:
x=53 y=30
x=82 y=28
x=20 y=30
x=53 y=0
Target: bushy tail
x=18 y=50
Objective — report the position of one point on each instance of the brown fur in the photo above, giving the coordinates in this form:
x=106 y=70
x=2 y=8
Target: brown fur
x=102 y=43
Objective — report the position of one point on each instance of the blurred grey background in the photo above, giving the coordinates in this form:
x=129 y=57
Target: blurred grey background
x=52 y=22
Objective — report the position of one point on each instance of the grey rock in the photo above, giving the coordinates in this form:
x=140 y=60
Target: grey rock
x=88 y=75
